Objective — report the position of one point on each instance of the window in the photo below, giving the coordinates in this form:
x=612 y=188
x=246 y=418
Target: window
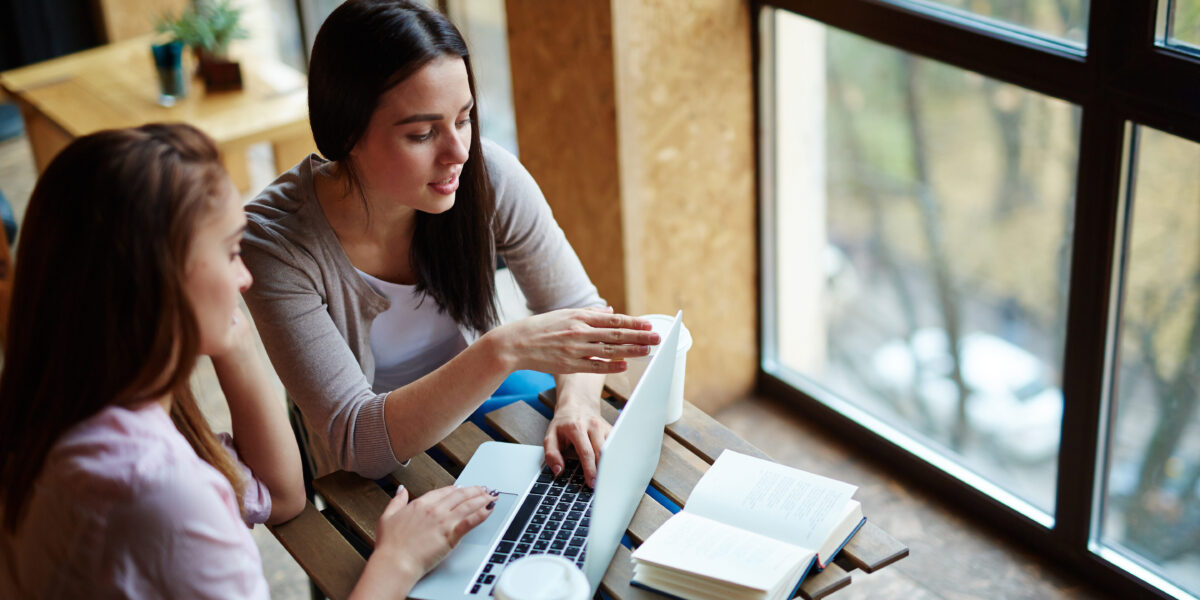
x=1179 y=24
x=1151 y=510
x=984 y=259
x=1062 y=19
x=936 y=301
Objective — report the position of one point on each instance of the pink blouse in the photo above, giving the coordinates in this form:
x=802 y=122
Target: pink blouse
x=123 y=507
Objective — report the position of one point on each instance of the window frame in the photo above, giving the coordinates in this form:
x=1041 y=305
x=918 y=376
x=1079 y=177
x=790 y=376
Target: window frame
x=1122 y=77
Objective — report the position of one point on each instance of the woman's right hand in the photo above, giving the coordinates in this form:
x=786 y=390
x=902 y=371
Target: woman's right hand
x=413 y=537
x=419 y=534
x=574 y=340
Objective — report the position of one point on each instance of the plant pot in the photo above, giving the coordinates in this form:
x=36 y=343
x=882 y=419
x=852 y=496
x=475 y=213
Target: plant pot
x=219 y=74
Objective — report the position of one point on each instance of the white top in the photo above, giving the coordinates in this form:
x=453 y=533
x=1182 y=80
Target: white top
x=411 y=338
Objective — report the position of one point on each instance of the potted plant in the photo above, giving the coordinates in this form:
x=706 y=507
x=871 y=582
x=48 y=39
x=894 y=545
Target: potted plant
x=208 y=27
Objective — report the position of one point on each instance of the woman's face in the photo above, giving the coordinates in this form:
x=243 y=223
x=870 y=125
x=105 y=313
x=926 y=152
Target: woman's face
x=418 y=139
x=215 y=276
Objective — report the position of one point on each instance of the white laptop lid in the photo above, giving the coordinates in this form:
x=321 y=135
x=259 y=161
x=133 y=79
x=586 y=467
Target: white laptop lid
x=629 y=457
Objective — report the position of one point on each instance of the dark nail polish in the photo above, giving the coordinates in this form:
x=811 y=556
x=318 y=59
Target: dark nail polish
x=494 y=492
x=491 y=505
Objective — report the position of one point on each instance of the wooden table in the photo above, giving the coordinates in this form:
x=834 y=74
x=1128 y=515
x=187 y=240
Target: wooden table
x=116 y=85
x=690 y=446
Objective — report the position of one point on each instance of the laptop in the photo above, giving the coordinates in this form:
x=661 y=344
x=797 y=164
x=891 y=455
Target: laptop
x=537 y=513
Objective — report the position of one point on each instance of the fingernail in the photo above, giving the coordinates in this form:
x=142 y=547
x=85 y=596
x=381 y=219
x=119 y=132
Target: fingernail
x=557 y=469
x=494 y=493
x=491 y=505
x=593 y=484
x=400 y=488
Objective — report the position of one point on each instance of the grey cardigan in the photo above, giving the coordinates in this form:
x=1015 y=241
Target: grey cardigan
x=314 y=312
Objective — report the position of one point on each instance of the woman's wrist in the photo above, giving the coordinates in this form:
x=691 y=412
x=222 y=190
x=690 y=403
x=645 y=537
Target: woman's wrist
x=498 y=350
x=580 y=389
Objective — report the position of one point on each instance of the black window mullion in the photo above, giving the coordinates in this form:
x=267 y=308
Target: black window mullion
x=1151 y=79
x=1101 y=146
x=1092 y=256
x=1041 y=68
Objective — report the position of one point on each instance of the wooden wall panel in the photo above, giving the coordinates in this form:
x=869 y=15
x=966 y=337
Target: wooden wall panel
x=637 y=119
x=563 y=92
x=686 y=113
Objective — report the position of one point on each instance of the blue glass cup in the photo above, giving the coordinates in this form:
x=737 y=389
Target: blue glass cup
x=168 y=60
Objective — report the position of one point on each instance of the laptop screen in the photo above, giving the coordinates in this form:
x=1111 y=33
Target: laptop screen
x=629 y=457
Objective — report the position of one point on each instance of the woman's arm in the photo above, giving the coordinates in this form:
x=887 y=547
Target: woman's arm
x=261 y=431
x=584 y=341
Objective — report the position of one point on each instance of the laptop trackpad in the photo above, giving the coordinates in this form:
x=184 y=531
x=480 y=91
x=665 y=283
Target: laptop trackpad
x=490 y=528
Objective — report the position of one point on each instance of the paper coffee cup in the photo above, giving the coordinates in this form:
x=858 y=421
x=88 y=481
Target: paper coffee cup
x=662 y=326
x=542 y=577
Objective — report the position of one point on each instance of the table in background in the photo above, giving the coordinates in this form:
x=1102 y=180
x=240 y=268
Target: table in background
x=116 y=86
x=690 y=446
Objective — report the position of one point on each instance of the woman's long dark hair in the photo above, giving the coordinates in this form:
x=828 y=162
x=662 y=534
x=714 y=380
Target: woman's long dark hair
x=362 y=50
x=99 y=316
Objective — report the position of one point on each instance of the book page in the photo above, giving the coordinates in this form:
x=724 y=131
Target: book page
x=717 y=551
x=774 y=500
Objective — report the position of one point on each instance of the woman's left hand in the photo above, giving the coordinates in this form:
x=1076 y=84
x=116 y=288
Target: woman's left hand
x=578 y=425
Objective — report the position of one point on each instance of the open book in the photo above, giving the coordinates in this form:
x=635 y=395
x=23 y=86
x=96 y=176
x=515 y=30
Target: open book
x=752 y=529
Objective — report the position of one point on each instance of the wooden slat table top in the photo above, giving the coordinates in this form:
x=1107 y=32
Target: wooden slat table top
x=330 y=561
x=693 y=443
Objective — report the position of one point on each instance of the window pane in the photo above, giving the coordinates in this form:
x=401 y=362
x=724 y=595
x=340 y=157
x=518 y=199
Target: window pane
x=1182 y=24
x=1152 y=501
x=1063 y=19
x=483 y=24
x=922 y=227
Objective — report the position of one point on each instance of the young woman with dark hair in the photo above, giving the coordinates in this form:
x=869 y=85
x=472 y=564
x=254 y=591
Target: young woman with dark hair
x=376 y=262
x=112 y=484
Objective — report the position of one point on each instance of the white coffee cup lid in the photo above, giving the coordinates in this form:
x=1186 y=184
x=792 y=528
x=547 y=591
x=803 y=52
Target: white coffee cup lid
x=662 y=326
x=542 y=577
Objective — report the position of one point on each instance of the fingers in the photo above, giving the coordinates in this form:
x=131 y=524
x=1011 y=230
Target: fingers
x=468 y=514
x=554 y=458
x=587 y=453
x=396 y=504
x=597 y=435
x=592 y=365
x=614 y=351
x=610 y=320
x=449 y=497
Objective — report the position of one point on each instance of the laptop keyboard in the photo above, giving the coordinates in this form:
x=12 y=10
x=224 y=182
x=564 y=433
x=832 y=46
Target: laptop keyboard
x=553 y=519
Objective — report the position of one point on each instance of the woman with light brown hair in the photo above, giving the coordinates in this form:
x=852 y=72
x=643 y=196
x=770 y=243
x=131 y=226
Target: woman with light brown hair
x=111 y=481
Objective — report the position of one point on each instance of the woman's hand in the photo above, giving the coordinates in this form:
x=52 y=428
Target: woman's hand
x=578 y=425
x=573 y=340
x=413 y=537
x=239 y=343
x=419 y=534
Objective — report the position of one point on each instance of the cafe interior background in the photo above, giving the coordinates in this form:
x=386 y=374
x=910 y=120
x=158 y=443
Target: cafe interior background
x=948 y=251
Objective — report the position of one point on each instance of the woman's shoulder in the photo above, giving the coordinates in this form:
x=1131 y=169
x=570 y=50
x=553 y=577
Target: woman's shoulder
x=285 y=220
x=123 y=492
x=518 y=197
x=117 y=454
x=510 y=179
x=288 y=193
